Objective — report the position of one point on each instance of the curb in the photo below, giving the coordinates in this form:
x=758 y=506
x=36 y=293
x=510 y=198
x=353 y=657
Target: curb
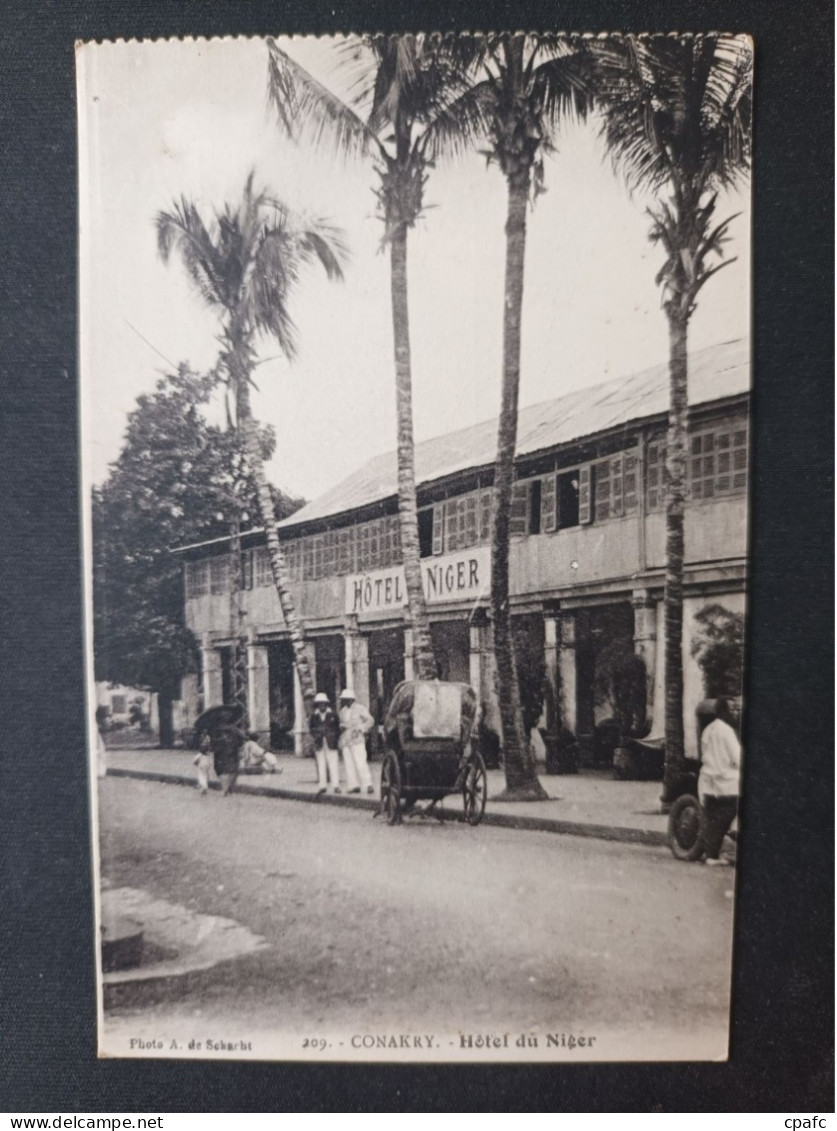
x=618 y=833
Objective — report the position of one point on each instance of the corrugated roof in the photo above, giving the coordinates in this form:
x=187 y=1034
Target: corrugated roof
x=714 y=373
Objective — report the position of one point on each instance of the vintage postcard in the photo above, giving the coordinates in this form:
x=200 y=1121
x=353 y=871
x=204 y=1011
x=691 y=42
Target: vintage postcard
x=415 y=401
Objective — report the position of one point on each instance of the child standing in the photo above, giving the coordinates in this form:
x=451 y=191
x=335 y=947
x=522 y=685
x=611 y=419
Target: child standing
x=201 y=761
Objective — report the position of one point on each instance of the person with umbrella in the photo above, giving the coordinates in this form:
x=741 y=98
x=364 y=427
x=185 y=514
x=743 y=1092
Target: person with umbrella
x=222 y=725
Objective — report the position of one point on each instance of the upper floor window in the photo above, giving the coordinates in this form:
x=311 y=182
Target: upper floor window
x=716 y=463
x=197 y=579
x=567 y=498
x=247 y=569
x=262 y=571
x=534 y=517
x=425 y=532
x=219 y=575
x=461 y=522
x=614 y=486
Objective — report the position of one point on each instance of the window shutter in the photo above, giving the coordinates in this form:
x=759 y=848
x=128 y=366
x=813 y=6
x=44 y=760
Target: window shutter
x=485 y=516
x=616 y=493
x=585 y=510
x=470 y=520
x=629 y=484
x=438 y=528
x=548 y=515
x=451 y=525
x=247 y=569
x=519 y=509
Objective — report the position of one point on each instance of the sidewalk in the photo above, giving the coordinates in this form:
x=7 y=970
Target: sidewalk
x=591 y=804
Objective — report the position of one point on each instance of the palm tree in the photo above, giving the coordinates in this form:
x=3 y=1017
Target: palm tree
x=245 y=263
x=405 y=84
x=528 y=83
x=677 y=121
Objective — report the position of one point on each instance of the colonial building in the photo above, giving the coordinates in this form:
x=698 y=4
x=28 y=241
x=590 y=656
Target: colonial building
x=587 y=557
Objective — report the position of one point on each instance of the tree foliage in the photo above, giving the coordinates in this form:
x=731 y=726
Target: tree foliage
x=173 y=483
x=676 y=113
x=245 y=262
x=718 y=648
x=402 y=88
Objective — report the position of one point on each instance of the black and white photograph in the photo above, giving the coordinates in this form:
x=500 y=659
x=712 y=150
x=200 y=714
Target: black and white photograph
x=415 y=382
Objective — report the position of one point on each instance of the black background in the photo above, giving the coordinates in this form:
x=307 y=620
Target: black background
x=782 y=1026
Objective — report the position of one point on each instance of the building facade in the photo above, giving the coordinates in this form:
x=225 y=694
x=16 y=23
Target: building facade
x=587 y=559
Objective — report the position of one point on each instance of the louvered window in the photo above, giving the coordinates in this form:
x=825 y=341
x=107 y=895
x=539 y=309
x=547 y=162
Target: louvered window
x=469 y=528
x=391 y=554
x=346 y=540
x=485 y=516
x=439 y=528
x=585 y=509
x=247 y=569
x=630 y=483
x=548 y=504
x=519 y=519
x=363 y=554
x=307 y=559
x=718 y=462
x=197 y=579
x=219 y=575
x=655 y=474
x=451 y=525
x=292 y=553
x=264 y=576
x=614 y=481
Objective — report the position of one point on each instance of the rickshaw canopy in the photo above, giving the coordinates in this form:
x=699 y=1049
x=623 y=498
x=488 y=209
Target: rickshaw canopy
x=434 y=708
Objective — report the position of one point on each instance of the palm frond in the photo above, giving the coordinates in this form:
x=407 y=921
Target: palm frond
x=562 y=87
x=183 y=230
x=676 y=108
x=325 y=244
x=304 y=105
x=462 y=125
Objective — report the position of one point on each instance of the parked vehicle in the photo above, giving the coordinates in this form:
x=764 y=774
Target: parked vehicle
x=431 y=751
x=685 y=818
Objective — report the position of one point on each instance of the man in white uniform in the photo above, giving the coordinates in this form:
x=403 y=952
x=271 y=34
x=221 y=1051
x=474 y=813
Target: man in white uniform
x=720 y=753
x=355 y=724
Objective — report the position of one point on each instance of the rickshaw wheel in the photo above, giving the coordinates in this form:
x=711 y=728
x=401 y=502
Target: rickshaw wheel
x=474 y=788
x=391 y=789
x=685 y=828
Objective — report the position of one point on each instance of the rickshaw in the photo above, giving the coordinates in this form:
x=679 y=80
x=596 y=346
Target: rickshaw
x=431 y=751
x=685 y=818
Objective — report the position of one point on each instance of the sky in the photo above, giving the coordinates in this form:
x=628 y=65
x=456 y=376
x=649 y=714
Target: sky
x=190 y=118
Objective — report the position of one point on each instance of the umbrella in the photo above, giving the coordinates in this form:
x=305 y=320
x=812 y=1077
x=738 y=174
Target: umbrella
x=227 y=714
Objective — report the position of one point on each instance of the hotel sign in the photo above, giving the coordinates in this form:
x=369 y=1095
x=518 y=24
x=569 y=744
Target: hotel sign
x=464 y=576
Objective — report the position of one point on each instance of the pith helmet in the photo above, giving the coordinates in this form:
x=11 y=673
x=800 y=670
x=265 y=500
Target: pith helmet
x=347 y=693
x=320 y=697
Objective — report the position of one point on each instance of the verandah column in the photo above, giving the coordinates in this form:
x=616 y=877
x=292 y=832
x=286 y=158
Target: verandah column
x=211 y=678
x=258 y=689
x=479 y=645
x=300 y=707
x=408 y=653
x=567 y=669
x=357 y=660
x=645 y=642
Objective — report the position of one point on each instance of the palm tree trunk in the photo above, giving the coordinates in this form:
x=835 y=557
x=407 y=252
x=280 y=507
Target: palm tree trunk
x=424 y=662
x=521 y=779
x=239 y=640
x=278 y=567
x=165 y=718
x=675 y=512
